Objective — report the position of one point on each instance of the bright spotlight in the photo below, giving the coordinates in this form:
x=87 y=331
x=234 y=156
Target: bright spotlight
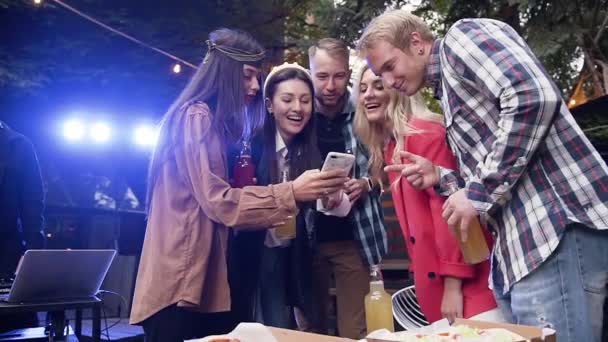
x=146 y=135
x=177 y=68
x=73 y=130
x=100 y=132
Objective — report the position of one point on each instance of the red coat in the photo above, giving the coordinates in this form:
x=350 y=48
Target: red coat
x=434 y=251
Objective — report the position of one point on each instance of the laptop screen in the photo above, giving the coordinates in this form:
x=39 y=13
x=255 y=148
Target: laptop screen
x=47 y=275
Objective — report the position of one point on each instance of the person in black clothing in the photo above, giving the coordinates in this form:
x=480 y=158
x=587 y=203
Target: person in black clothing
x=21 y=210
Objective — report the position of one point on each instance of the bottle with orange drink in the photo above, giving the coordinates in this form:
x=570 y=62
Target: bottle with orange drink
x=475 y=249
x=378 y=304
x=288 y=230
x=244 y=169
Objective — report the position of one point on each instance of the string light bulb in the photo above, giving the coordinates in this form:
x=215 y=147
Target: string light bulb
x=37 y=2
x=177 y=68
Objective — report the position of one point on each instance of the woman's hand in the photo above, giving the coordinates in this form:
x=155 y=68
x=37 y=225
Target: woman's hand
x=355 y=188
x=330 y=203
x=452 y=302
x=314 y=184
x=418 y=171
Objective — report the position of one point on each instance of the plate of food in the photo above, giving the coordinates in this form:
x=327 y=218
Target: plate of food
x=244 y=332
x=460 y=333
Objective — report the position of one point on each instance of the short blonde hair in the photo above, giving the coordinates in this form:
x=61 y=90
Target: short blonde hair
x=400 y=110
x=334 y=47
x=394 y=27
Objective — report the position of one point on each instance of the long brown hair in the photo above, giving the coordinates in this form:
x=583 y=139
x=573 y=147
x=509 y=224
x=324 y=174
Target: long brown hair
x=218 y=82
x=303 y=150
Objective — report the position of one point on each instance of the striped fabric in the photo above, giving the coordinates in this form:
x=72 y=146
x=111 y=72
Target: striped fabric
x=366 y=214
x=525 y=163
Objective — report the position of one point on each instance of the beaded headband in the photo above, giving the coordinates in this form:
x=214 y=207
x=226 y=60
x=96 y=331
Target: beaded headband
x=234 y=53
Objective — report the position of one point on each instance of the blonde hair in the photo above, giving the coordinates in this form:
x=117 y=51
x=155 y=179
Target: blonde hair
x=399 y=112
x=334 y=47
x=394 y=27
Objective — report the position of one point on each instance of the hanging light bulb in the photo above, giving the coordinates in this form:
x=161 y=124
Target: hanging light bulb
x=177 y=68
x=37 y=2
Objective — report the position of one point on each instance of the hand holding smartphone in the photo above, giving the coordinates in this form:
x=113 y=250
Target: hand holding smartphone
x=341 y=161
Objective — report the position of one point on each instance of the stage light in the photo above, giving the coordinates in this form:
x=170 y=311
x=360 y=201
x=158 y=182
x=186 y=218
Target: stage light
x=73 y=130
x=146 y=135
x=100 y=132
x=177 y=68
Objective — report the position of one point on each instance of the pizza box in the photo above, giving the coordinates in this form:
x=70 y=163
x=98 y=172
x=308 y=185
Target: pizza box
x=286 y=335
x=529 y=333
x=255 y=332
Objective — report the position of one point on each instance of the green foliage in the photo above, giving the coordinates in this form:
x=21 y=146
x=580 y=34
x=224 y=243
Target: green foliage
x=431 y=102
x=347 y=19
x=308 y=21
x=46 y=45
x=558 y=31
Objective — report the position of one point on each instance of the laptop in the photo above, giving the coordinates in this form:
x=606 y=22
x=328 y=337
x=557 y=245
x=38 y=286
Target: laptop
x=58 y=275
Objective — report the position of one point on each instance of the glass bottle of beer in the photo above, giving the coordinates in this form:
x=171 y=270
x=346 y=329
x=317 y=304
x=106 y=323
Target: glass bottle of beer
x=288 y=230
x=475 y=249
x=378 y=304
x=244 y=169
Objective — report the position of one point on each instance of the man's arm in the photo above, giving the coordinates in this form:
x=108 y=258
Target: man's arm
x=494 y=60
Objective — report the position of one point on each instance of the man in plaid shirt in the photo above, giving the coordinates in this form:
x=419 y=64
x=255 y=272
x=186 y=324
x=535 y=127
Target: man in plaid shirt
x=526 y=168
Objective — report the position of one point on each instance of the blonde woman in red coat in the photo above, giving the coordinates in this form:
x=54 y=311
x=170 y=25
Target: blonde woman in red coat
x=446 y=287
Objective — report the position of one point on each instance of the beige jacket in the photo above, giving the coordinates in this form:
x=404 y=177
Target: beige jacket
x=184 y=255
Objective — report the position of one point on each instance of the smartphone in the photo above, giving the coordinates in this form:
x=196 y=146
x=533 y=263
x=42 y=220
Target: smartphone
x=338 y=160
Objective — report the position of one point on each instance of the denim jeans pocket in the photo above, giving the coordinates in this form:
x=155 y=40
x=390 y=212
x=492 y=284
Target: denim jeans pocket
x=591 y=248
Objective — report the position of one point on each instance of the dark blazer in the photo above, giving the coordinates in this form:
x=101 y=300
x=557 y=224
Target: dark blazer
x=245 y=252
x=21 y=199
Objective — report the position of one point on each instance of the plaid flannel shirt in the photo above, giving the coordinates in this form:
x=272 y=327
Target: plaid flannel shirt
x=366 y=215
x=524 y=162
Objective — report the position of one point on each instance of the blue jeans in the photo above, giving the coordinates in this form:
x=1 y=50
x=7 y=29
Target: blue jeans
x=273 y=303
x=567 y=291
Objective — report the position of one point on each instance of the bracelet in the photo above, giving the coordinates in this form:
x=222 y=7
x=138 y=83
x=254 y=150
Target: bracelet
x=438 y=173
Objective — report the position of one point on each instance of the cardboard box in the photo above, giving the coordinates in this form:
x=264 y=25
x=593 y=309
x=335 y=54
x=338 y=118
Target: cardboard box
x=285 y=335
x=255 y=332
x=533 y=334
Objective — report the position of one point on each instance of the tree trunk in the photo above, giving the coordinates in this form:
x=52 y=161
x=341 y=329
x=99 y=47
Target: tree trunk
x=590 y=65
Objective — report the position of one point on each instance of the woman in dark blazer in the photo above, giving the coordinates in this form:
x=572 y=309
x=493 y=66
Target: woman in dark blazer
x=268 y=273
